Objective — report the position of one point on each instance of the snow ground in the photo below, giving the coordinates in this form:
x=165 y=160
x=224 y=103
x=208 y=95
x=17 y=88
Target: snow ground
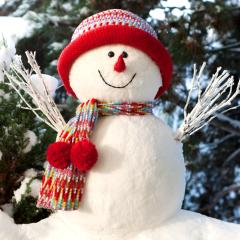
x=184 y=226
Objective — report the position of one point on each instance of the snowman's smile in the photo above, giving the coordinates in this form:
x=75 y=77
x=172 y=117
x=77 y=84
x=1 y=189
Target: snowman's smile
x=113 y=86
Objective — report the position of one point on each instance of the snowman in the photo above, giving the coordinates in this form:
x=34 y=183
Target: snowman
x=117 y=171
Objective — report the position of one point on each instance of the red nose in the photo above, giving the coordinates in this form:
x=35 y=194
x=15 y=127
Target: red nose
x=120 y=64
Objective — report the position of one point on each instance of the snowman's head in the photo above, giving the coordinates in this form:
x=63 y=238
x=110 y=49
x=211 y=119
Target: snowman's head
x=115 y=56
x=115 y=73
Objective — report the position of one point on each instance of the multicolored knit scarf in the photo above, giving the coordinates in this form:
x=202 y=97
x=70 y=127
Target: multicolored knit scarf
x=73 y=154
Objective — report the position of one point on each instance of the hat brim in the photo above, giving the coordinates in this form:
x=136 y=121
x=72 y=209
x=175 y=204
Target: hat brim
x=116 y=34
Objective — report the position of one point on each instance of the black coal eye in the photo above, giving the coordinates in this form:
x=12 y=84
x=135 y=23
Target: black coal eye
x=111 y=54
x=124 y=54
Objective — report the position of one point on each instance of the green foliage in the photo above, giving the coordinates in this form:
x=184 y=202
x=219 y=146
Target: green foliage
x=26 y=212
x=15 y=122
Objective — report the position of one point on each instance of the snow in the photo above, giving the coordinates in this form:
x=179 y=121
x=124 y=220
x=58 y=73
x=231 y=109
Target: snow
x=50 y=82
x=232 y=195
x=178 y=9
x=22 y=190
x=67 y=6
x=216 y=45
x=8 y=209
x=185 y=225
x=175 y=3
x=29 y=186
x=24 y=7
x=14 y=27
x=31 y=173
x=158 y=14
x=4 y=95
x=84 y=11
x=53 y=63
x=2 y=2
x=56 y=46
x=237 y=174
x=32 y=140
x=177 y=12
x=7 y=54
x=9 y=230
x=11 y=30
x=212 y=35
x=35 y=188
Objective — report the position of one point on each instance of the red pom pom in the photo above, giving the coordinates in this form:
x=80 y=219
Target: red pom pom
x=58 y=154
x=84 y=155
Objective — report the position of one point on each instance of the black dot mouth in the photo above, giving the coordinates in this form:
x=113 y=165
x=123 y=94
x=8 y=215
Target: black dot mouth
x=113 y=85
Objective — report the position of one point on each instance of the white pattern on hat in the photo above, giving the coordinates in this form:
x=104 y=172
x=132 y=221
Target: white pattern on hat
x=112 y=17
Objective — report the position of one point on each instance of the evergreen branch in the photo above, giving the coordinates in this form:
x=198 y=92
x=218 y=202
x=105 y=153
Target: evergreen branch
x=210 y=103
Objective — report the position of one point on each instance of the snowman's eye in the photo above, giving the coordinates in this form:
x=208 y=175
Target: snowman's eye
x=111 y=54
x=124 y=54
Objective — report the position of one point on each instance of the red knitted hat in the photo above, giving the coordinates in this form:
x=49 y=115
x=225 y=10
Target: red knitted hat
x=115 y=27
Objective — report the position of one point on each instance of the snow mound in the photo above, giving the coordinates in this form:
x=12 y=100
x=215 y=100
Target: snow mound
x=50 y=82
x=8 y=229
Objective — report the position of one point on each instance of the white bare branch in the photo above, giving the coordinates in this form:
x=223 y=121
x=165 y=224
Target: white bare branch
x=210 y=102
x=19 y=78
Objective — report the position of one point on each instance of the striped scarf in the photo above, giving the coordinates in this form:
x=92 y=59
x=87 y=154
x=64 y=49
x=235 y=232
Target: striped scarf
x=62 y=188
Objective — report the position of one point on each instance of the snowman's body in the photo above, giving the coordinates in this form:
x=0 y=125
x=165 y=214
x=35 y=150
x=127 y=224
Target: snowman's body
x=138 y=181
x=134 y=186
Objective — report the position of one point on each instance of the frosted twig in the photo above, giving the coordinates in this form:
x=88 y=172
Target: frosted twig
x=210 y=102
x=19 y=78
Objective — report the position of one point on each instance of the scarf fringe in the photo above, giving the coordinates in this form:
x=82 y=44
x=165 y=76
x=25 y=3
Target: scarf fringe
x=61 y=189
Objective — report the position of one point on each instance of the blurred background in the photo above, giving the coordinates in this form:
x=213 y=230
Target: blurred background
x=193 y=31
